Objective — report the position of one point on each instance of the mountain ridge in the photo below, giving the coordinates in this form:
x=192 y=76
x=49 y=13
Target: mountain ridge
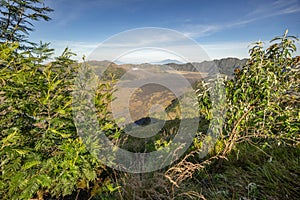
x=224 y=65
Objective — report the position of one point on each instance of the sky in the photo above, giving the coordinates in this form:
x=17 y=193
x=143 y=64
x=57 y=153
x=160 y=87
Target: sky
x=221 y=28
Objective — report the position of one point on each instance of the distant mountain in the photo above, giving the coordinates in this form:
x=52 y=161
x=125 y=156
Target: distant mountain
x=167 y=61
x=183 y=67
x=225 y=65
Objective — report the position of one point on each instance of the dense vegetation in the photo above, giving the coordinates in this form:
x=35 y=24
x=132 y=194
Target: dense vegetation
x=255 y=157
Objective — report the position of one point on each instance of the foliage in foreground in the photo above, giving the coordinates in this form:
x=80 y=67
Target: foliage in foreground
x=16 y=17
x=262 y=100
x=42 y=156
x=40 y=151
x=261 y=109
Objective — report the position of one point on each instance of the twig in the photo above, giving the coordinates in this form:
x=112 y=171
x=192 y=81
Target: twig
x=233 y=134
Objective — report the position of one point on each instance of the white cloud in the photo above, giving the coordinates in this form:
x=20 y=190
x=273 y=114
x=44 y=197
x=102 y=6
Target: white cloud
x=152 y=54
x=76 y=9
x=201 y=30
x=148 y=56
x=79 y=48
x=279 y=7
x=156 y=39
x=227 y=49
x=266 y=10
x=154 y=44
x=235 y=49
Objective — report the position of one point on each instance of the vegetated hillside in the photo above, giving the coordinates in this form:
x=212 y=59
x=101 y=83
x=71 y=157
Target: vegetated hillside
x=225 y=65
x=255 y=156
x=43 y=157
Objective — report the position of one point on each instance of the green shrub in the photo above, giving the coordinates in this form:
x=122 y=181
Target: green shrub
x=262 y=100
x=40 y=151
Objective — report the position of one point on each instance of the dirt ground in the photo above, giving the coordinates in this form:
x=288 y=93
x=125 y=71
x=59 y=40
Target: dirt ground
x=150 y=93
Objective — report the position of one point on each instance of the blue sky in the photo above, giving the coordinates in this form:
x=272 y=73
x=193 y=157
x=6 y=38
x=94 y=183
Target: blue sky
x=222 y=28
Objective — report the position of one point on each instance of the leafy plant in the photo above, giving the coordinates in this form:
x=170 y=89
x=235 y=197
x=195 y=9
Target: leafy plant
x=16 y=17
x=262 y=98
x=261 y=108
x=41 y=153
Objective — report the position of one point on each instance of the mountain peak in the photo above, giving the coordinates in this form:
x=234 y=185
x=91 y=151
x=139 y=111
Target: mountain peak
x=167 y=61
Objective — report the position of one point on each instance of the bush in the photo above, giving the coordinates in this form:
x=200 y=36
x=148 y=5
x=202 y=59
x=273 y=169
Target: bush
x=40 y=152
x=263 y=97
x=261 y=107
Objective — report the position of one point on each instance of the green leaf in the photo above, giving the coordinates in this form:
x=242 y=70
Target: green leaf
x=31 y=164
